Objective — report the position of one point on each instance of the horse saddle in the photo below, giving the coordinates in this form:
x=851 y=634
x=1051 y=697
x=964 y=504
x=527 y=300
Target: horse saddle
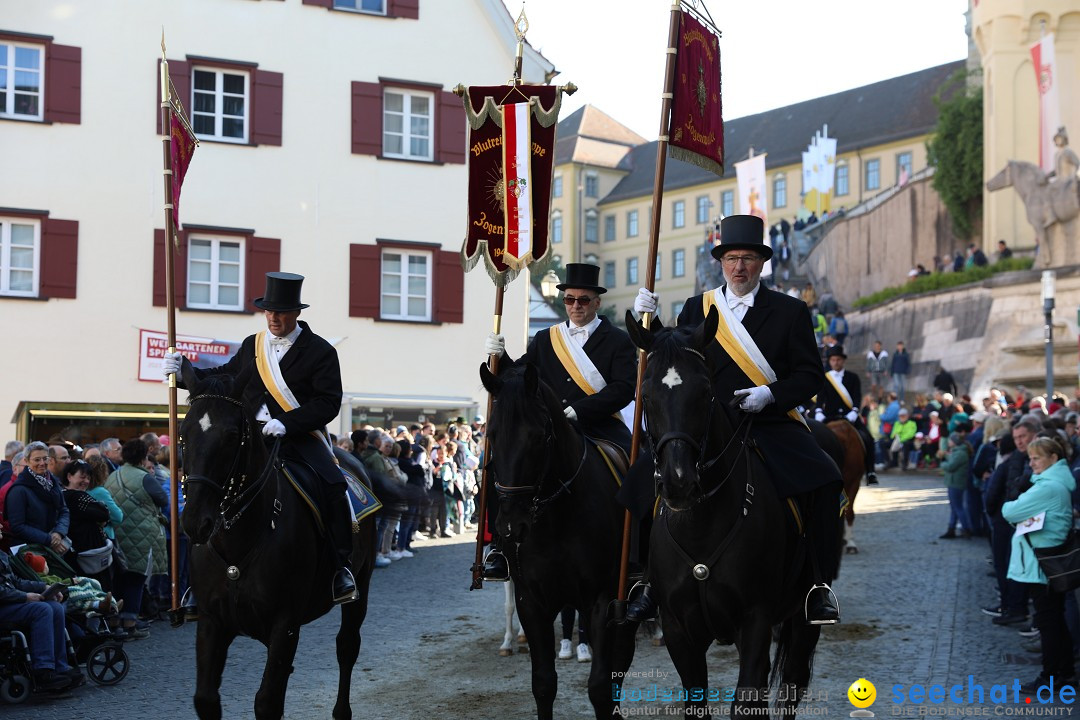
x=615 y=457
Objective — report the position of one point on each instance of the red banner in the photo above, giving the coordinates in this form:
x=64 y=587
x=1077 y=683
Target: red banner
x=697 y=128
x=181 y=148
x=488 y=191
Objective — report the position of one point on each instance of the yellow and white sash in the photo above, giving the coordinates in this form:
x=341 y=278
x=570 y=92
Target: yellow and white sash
x=738 y=344
x=266 y=361
x=580 y=367
x=841 y=391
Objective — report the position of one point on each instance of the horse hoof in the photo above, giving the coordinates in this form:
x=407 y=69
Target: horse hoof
x=506 y=652
x=522 y=640
x=523 y=649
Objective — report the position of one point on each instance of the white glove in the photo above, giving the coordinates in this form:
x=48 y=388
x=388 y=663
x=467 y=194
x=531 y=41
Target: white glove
x=274 y=428
x=646 y=301
x=170 y=363
x=819 y=416
x=570 y=413
x=852 y=415
x=494 y=344
x=755 y=399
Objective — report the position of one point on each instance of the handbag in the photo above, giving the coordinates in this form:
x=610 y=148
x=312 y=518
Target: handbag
x=1061 y=563
x=97 y=560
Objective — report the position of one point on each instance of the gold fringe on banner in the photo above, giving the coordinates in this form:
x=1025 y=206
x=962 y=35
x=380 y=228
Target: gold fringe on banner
x=698 y=159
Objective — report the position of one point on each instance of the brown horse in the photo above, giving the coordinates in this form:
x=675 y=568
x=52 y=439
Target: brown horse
x=852 y=470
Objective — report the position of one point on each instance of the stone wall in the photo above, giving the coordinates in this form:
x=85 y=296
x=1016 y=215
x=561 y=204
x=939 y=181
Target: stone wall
x=986 y=334
x=862 y=253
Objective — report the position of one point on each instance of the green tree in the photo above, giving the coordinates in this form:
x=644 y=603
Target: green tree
x=956 y=151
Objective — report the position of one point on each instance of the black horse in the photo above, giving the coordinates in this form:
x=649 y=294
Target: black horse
x=562 y=531
x=260 y=566
x=725 y=555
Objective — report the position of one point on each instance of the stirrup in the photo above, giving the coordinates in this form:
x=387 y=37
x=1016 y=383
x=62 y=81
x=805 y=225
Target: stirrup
x=643 y=598
x=487 y=572
x=349 y=580
x=830 y=603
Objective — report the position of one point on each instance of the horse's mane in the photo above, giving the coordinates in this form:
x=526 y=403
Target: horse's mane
x=220 y=384
x=517 y=403
x=667 y=342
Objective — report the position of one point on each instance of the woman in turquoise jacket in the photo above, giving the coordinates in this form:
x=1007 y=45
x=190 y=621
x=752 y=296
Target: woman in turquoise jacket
x=1050 y=495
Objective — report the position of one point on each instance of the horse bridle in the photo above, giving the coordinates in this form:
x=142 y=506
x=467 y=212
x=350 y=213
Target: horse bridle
x=698 y=446
x=539 y=504
x=236 y=495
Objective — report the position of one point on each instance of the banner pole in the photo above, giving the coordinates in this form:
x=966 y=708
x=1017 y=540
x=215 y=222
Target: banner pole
x=650 y=274
x=481 y=507
x=170 y=305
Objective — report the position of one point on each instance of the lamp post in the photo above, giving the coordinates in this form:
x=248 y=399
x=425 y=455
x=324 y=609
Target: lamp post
x=549 y=285
x=1048 y=330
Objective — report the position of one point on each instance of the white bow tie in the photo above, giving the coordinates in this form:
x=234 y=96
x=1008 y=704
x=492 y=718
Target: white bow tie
x=283 y=341
x=734 y=301
x=578 y=330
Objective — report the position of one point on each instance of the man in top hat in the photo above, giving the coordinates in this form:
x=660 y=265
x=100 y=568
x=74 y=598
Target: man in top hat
x=839 y=398
x=776 y=329
x=308 y=366
x=589 y=363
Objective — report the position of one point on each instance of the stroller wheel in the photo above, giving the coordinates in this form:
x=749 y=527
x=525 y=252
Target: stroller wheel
x=108 y=664
x=15 y=689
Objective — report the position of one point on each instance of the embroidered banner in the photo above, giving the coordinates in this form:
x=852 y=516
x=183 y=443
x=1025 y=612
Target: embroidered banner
x=181 y=148
x=517 y=144
x=697 y=127
x=486 y=235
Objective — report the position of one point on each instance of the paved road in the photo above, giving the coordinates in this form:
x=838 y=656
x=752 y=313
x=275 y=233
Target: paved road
x=910 y=606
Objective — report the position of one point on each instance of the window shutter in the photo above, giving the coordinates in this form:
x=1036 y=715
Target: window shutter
x=452 y=142
x=179 y=268
x=409 y=9
x=180 y=71
x=319 y=3
x=263 y=255
x=448 y=288
x=367 y=105
x=59 y=258
x=365 y=274
x=63 y=83
x=266 y=107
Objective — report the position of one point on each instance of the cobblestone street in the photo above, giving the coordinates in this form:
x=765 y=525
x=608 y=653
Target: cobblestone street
x=910 y=603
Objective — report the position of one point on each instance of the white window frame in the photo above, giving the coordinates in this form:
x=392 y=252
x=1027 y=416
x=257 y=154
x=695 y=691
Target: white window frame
x=406 y=116
x=592 y=185
x=556 y=185
x=219 y=104
x=631 y=271
x=900 y=164
x=403 y=297
x=678 y=262
x=656 y=270
x=678 y=214
x=361 y=10
x=779 y=190
x=215 y=283
x=727 y=202
x=610 y=273
x=702 y=209
x=843 y=180
x=632 y=223
x=592 y=226
x=873 y=166
x=610 y=224
x=556 y=226
x=10 y=69
x=5 y=257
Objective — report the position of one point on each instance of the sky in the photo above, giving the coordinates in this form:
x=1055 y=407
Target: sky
x=773 y=52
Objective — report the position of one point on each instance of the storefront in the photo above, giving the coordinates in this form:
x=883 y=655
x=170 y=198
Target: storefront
x=388 y=411
x=84 y=423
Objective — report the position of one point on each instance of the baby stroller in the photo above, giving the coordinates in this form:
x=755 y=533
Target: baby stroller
x=92 y=641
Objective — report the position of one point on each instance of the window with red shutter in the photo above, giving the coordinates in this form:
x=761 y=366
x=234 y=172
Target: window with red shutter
x=449 y=288
x=367 y=118
x=63 y=84
x=179 y=270
x=384 y=116
x=59 y=258
x=408 y=9
x=401 y=281
x=263 y=256
x=452 y=123
x=364 y=274
x=266 y=108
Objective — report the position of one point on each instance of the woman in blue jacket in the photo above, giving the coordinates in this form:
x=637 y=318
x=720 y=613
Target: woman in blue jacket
x=1050 y=495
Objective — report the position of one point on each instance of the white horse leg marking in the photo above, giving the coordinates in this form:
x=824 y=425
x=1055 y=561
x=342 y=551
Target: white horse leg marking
x=204 y=422
x=507 y=647
x=672 y=378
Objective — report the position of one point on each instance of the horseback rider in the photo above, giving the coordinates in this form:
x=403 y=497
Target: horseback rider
x=293 y=395
x=589 y=363
x=838 y=398
x=774 y=336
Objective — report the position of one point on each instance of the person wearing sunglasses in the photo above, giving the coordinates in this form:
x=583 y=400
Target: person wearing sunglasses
x=589 y=363
x=776 y=330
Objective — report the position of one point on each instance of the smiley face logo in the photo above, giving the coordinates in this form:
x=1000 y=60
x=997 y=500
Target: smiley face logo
x=862 y=693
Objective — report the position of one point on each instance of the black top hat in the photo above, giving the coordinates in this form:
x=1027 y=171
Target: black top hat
x=584 y=277
x=835 y=351
x=282 y=293
x=742 y=232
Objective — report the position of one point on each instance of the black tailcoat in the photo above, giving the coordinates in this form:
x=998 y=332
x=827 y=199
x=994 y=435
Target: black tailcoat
x=830 y=402
x=781 y=327
x=311 y=370
x=614 y=356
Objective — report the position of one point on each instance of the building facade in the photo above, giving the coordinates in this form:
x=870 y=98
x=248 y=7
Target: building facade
x=332 y=151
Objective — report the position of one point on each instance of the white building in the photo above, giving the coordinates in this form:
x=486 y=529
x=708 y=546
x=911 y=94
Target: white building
x=331 y=147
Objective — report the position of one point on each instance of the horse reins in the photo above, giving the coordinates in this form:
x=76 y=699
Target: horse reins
x=538 y=504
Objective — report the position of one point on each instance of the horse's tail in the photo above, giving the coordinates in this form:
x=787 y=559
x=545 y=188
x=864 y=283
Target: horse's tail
x=793 y=661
